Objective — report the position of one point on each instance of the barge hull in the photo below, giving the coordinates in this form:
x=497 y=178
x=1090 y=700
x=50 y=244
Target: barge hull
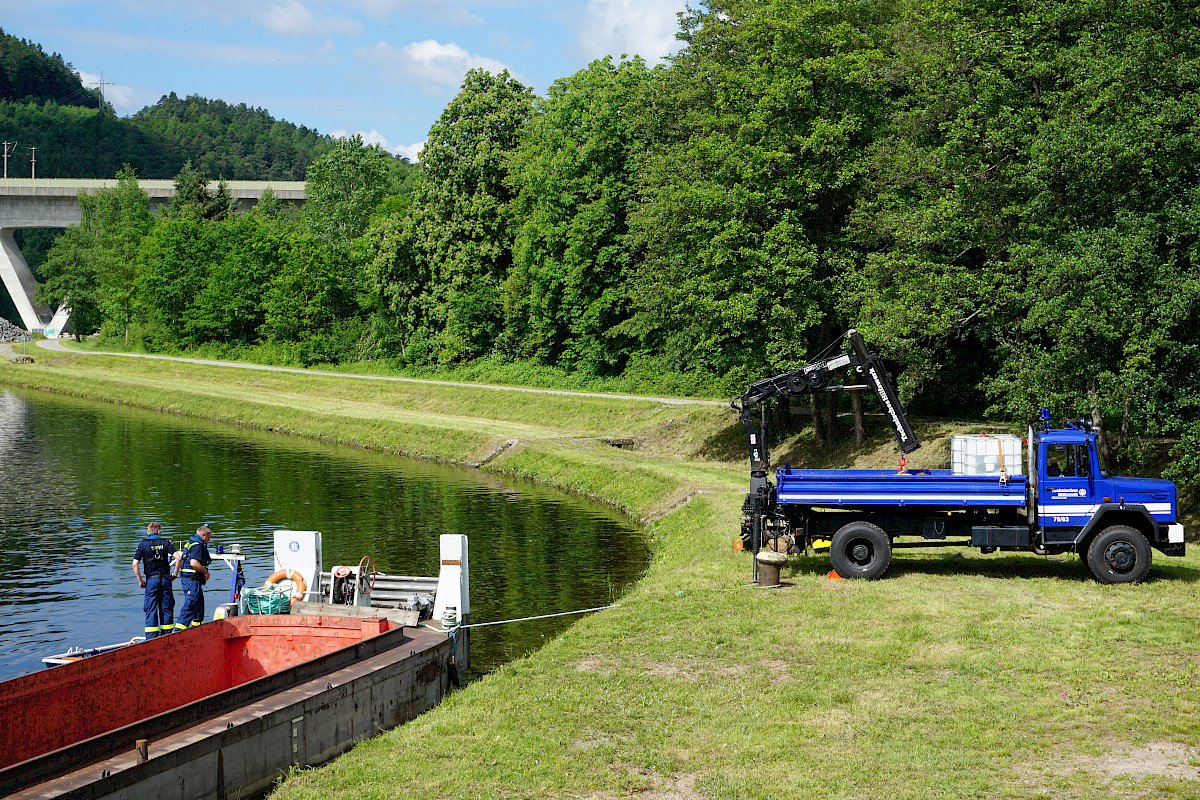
x=244 y=748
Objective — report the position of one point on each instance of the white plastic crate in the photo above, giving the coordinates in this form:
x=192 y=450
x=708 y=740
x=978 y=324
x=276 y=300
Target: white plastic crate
x=983 y=455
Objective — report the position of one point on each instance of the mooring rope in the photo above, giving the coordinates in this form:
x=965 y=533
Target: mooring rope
x=526 y=619
x=539 y=616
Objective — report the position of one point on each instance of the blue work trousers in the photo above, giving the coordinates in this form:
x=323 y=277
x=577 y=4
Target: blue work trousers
x=159 y=605
x=192 y=613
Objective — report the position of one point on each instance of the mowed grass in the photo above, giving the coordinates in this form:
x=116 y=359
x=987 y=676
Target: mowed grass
x=959 y=675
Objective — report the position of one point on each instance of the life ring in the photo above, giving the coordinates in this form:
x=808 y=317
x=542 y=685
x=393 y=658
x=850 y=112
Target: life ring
x=291 y=575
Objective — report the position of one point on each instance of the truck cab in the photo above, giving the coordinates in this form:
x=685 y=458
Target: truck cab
x=1112 y=521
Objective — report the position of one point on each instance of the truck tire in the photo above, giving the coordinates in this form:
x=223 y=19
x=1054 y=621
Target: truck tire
x=860 y=550
x=1119 y=554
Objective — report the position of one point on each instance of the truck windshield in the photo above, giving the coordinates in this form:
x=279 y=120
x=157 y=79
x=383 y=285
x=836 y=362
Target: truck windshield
x=1068 y=461
x=1102 y=465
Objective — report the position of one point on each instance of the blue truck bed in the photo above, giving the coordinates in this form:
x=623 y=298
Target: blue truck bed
x=938 y=488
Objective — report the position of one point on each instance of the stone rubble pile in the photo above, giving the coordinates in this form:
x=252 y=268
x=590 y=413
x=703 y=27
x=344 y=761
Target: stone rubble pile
x=10 y=332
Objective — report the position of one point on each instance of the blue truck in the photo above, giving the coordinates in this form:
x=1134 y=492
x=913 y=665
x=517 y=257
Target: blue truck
x=1067 y=500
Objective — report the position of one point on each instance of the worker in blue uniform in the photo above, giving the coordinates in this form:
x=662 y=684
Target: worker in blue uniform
x=193 y=572
x=155 y=554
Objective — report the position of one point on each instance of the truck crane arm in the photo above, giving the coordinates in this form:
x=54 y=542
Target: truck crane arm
x=812 y=378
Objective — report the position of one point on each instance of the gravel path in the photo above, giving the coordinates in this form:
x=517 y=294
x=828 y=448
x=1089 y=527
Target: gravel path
x=57 y=346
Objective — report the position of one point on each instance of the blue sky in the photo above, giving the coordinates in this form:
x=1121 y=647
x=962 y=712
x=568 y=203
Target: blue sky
x=383 y=68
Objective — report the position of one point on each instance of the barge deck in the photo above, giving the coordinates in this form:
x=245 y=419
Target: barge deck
x=141 y=724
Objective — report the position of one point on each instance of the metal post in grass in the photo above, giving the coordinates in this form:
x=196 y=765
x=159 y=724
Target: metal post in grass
x=771 y=562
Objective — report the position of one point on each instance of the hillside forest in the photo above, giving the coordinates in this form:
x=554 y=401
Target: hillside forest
x=1001 y=197
x=47 y=113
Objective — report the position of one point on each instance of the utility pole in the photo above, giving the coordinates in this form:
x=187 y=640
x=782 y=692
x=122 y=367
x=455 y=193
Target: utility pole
x=33 y=162
x=6 y=144
x=100 y=87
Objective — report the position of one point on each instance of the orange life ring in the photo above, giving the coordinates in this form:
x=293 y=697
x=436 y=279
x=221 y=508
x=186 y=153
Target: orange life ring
x=291 y=575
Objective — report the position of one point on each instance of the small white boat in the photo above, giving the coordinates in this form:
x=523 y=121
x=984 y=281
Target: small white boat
x=79 y=653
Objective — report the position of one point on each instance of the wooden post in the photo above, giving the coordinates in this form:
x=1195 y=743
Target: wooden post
x=831 y=421
x=860 y=431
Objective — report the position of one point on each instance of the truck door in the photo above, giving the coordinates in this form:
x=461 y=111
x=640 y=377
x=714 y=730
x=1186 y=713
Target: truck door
x=1068 y=493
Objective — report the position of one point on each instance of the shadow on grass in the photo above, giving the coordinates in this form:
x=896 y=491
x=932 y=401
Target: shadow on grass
x=727 y=444
x=1067 y=568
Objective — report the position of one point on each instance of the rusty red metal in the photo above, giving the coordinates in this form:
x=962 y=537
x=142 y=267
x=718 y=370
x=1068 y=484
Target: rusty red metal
x=65 y=705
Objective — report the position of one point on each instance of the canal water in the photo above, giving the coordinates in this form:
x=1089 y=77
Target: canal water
x=79 y=481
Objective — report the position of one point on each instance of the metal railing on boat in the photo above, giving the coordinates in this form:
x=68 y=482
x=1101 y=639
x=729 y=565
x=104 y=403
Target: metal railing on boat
x=392 y=591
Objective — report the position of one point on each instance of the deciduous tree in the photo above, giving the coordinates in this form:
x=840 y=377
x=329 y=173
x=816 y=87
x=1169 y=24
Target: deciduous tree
x=460 y=227
x=575 y=173
x=344 y=187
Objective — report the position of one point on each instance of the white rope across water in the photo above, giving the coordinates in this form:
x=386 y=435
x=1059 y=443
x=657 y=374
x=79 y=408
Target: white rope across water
x=539 y=616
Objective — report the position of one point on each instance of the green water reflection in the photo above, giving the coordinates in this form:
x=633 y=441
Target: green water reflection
x=80 y=481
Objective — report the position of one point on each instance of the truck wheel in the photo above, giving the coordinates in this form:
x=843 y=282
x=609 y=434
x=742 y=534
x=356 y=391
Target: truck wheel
x=860 y=550
x=1120 y=554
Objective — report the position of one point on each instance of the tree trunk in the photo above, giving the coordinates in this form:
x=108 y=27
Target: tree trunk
x=1098 y=423
x=860 y=431
x=1123 y=434
x=831 y=421
x=818 y=425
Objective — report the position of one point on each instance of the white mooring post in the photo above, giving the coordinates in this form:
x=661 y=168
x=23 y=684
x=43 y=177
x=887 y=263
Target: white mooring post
x=454 y=592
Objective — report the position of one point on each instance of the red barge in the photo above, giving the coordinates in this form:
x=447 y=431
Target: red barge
x=223 y=709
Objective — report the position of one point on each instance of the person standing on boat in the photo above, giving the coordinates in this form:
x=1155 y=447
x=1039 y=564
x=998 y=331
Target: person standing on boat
x=155 y=555
x=194 y=560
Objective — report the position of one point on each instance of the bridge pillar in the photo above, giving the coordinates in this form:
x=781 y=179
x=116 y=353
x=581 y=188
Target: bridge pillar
x=32 y=208
x=22 y=287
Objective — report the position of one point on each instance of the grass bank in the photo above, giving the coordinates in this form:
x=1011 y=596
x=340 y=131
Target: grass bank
x=961 y=675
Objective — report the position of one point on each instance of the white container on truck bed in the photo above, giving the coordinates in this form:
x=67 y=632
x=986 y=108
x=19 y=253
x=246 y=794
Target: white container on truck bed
x=986 y=454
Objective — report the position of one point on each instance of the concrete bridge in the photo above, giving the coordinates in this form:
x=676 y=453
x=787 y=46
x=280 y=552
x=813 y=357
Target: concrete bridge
x=54 y=203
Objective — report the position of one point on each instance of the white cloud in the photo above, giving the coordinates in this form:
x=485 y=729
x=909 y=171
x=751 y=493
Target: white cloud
x=451 y=13
x=191 y=50
x=294 y=19
x=636 y=27
x=382 y=9
x=433 y=67
x=502 y=39
x=409 y=151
